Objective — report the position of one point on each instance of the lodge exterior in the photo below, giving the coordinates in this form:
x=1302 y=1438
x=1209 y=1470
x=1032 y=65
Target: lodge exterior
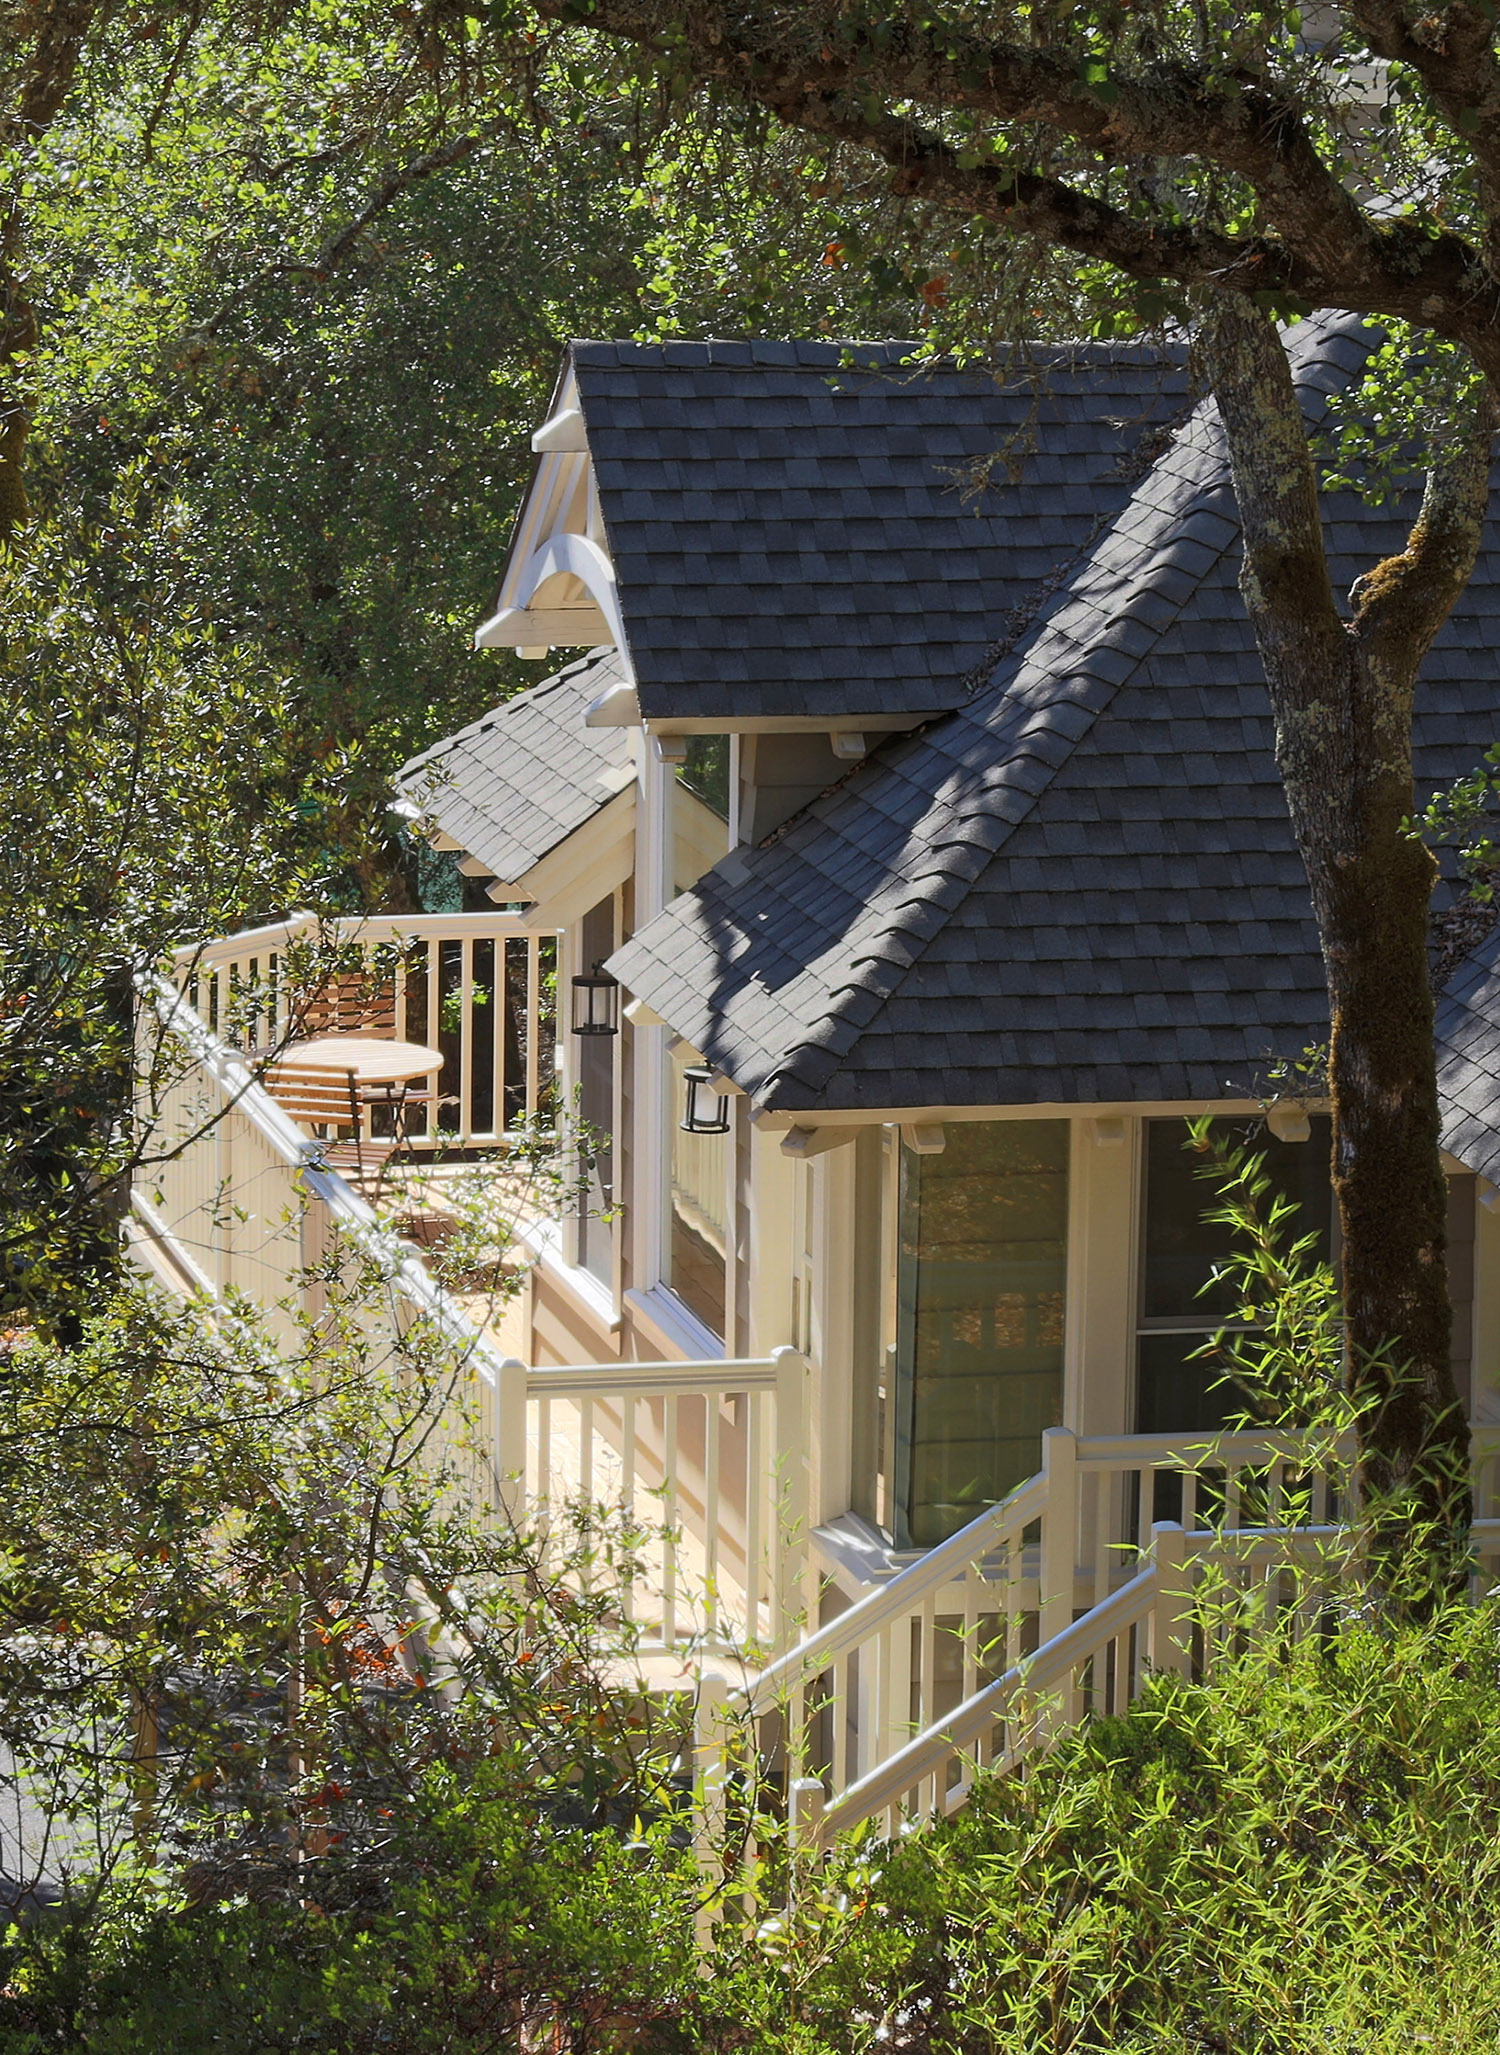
x=916 y=810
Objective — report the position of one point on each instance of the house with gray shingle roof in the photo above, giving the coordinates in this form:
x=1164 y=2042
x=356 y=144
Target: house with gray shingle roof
x=920 y=794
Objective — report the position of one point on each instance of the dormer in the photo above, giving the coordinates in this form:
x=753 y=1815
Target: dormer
x=559 y=584
x=812 y=538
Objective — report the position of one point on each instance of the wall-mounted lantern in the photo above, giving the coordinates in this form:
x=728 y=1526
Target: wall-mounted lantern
x=596 y=1004
x=707 y=1109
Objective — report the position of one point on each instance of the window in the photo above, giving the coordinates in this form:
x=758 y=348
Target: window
x=697 y=1240
x=1179 y=1250
x=594 y=1056
x=976 y=1357
x=705 y=771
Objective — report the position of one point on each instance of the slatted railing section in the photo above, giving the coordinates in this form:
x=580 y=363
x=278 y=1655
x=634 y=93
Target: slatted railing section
x=479 y=987
x=704 y=1461
x=1032 y=1616
x=1097 y=1664
x=234 y=1199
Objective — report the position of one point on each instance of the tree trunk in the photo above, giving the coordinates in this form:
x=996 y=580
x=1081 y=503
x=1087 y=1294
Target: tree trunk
x=18 y=334
x=1342 y=695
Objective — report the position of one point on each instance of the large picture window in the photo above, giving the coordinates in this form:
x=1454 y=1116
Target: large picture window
x=1180 y=1249
x=981 y=1276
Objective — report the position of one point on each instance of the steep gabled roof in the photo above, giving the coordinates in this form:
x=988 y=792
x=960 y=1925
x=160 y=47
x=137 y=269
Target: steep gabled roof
x=512 y=786
x=792 y=537
x=1081 y=886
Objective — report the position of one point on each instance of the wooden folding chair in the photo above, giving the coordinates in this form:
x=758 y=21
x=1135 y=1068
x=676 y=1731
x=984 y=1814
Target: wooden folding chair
x=319 y=1098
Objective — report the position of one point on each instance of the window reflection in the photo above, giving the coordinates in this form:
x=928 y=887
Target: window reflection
x=697 y=1235
x=1180 y=1306
x=980 y=1276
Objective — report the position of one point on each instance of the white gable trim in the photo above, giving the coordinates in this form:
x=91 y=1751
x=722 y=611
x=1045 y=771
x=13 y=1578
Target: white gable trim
x=559 y=584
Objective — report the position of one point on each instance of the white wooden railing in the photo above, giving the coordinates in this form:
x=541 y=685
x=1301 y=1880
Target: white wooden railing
x=706 y=1459
x=1055 y=1603
x=478 y=986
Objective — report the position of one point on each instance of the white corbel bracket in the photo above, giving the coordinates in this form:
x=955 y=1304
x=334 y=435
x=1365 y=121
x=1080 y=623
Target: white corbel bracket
x=1289 y=1122
x=804 y=1142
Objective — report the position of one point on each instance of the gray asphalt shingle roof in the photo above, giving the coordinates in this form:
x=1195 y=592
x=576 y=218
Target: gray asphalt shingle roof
x=513 y=785
x=792 y=537
x=1081 y=885
x=1468 y=1036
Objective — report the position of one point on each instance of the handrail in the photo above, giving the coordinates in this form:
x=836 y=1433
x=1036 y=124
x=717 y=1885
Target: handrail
x=1208 y=1449
x=881 y=1608
x=888 y=1782
x=403 y=1269
x=373 y=927
x=606 y=1380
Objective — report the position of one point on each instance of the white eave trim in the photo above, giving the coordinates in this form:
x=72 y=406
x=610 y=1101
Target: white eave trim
x=564 y=432
x=518 y=626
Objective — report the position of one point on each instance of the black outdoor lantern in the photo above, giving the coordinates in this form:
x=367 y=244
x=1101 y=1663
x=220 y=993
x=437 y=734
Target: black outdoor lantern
x=707 y=1109
x=596 y=1004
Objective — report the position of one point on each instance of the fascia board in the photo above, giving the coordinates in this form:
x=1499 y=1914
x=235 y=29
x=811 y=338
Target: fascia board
x=582 y=868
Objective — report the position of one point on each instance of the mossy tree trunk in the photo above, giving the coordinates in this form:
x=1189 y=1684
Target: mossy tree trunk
x=1342 y=694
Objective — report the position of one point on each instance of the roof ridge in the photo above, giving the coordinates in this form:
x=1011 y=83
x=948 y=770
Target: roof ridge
x=816 y=352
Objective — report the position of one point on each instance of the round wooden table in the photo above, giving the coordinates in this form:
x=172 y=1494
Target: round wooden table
x=370 y=1060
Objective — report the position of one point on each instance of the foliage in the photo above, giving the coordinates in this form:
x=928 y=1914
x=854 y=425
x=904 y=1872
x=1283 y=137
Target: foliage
x=351 y=432
x=495 y=1918
x=317 y=296
x=1285 y=1355
x=1296 y=1856
x=288 y=1697
x=147 y=800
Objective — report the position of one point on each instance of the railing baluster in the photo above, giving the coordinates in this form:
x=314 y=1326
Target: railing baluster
x=841 y=1710
x=969 y=1652
x=712 y=1502
x=500 y=1035
x=544 y=1455
x=759 y=1403
x=533 y=1024
x=466 y=1038
x=586 y=1450
x=925 y=1663
x=669 y=1521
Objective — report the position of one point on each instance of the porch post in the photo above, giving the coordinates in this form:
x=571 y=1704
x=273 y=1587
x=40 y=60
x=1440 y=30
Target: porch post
x=789 y=1496
x=1170 y=1628
x=1059 y=1532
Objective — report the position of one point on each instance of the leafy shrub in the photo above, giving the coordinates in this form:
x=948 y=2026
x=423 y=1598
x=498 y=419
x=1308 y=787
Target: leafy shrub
x=499 y=1919
x=1298 y=1858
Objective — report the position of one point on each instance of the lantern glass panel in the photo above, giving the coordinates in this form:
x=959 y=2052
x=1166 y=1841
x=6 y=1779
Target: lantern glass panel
x=596 y=1004
x=706 y=1111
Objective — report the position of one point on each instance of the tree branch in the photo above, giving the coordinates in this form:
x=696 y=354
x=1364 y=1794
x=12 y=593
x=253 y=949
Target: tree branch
x=1403 y=602
x=338 y=246
x=819 y=73
x=57 y=41
x=1452 y=52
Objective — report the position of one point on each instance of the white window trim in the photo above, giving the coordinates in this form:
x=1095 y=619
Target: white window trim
x=596 y=1298
x=673 y=1326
